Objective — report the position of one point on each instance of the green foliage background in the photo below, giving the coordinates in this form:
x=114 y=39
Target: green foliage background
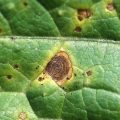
x=92 y=44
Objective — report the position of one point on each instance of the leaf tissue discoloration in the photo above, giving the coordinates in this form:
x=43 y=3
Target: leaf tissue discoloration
x=83 y=13
x=110 y=6
x=16 y=66
x=9 y=77
x=60 y=67
x=89 y=73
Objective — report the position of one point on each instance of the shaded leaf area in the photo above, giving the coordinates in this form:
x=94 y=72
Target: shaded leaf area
x=28 y=18
x=92 y=92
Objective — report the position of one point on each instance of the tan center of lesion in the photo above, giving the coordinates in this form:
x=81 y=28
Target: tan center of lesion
x=0 y=30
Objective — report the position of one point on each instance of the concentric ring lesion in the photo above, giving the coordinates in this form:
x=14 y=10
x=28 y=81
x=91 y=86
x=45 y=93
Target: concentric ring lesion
x=59 y=67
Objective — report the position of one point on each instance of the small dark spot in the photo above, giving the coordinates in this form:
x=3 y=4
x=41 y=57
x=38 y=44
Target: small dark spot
x=110 y=7
x=16 y=66
x=67 y=78
x=9 y=76
x=89 y=73
x=40 y=78
x=37 y=67
x=77 y=29
x=63 y=88
x=75 y=74
x=25 y=3
x=83 y=13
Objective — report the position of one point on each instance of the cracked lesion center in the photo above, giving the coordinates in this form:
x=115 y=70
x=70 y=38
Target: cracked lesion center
x=59 y=68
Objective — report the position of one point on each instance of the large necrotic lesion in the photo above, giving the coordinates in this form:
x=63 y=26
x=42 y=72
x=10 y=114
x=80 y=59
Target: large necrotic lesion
x=59 y=68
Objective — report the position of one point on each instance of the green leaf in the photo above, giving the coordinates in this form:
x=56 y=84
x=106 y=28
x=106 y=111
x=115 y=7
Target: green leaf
x=15 y=106
x=91 y=91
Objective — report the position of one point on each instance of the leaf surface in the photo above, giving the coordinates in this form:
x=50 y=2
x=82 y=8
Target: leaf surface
x=92 y=91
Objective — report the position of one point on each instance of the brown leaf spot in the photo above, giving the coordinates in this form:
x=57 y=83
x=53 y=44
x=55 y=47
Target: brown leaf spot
x=67 y=78
x=89 y=73
x=16 y=66
x=83 y=13
x=59 y=68
x=40 y=78
x=110 y=7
